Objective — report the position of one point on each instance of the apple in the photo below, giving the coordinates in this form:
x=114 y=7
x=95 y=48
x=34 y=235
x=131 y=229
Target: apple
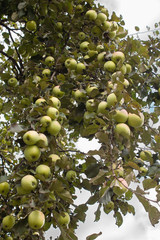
x=54 y=158
x=92 y=53
x=79 y=8
x=54 y=128
x=126 y=83
x=123 y=130
x=108 y=207
x=80 y=67
x=102 y=107
x=91 y=15
x=121 y=116
x=43 y=171
x=106 y=25
x=36 y=219
x=110 y=84
x=101 y=57
x=55 y=102
x=84 y=46
x=25 y=102
x=92 y=91
x=8 y=222
x=81 y=36
x=59 y=26
x=8 y=238
x=123 y=69
x=12 y=82
x=101 y=17
x=143 y=170
x=43 y=141
x=104 y=10
x=109 y=66
x=46 y=73
x=45 y=121
x=114 y=26
x=100 y=48
x=31 y=137
x=111 y=99
x=32 y=153
x=71 y=63
x=118 y=56
x=71 y=176
x=4 y=188
x=53 y=113
x=40 y=101
x=31 y=26
x=57 y=91
x=128 y=68
x=91 y=106
x=63 y=219
x=79 y=95
x=49 y=61
x=145 y=155
x=96 y=31
x=28 y=182
x=134 y=120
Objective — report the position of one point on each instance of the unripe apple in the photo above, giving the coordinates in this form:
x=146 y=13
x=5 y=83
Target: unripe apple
x=112 y=34
x=31 y=137
x=111 y=100
x=84 y=46
x=46 y=73
x=25 y=102
x=101 y=57
x=143 y=170
x=57 y=92
x=106 y=25
x=59 y=26
x=31 y=26
x=54 y=128
x=134 y=120
x=63 y=219
x=4 y=188
x=40 y=101
x=101 y=17
x=71 y=63
x=8 y=222
x=43 y=141
x=102 y=107
x=53 y=113
x=36 y=219
x=96 y=31
x=79 y=95
x=108 y=207
x=54 y=158
x=12 y=82
x=128 y=68
x=121 y=116
x=55 y=102
x=28 y=182
x=91 y=106
x=8 y=238
x=49 y=61
x=126 y=83
x=45 y=121
x=100 y=48
x=92 y=53
x=118 y=56
x=81 y=36
x=71 y=176
x=145 y=155
x=79 y=8
x=123 y=130
x=43 y=171
x=80 y=67
x=32 y=153
x=123 y=69
x=91 y=15
x=92 y=91
x=114 y=26
x=109 y=66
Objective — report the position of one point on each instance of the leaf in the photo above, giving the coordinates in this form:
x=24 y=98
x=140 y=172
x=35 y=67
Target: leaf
x=137 y=28
x=103 y=137
x=92 y=170
x=133 y=165
x=93 y=199
x=99 y=178
x=93 y=236
x=119 y=219
x=16 y=128
x=66 y=196
x=149 y=183
x=154 y=215
x=97 y=213
x=144 y=202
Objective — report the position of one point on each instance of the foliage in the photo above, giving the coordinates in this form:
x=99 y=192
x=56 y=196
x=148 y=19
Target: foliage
x=59 y=29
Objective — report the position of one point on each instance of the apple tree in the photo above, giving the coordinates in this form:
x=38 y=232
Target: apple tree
x=68 y=69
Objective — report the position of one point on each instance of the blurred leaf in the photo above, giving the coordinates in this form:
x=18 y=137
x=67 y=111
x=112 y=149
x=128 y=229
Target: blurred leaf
x=154 y=215
x=93 y=236
x=119 y=219
x=149 y=183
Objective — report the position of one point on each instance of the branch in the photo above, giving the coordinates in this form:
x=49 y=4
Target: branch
x=13 y=60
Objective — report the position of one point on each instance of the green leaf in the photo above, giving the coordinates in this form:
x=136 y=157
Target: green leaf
x=119 y=219
x=154 y=215
x=97 y=213
x=93 y=236
x=149 y=183
x=137 y=28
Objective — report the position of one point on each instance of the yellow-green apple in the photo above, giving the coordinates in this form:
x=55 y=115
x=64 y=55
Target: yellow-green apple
x=126 y=83
x=46 y=73
x=79 y=95
x=36 y=219
x=49 y=61
x=43 y=171
x=145 y=155
x=118 y=56
x=112 y=34
x=43 y=141
x=31 y=137
x=59 y=26
x=109 y=66
x=63 y=218
x=106 y=25
x=45 y=121
x=91 y=105
x=71 y=63
x=143 y=170
x=29 y=182
x=96 y=31
x=123 y=130
x=80 y=67
x=102 y=107
x=55 y=102
x=54 y=128
x=114 y=26
x=25 y=102
x=31 y=26
x=84 y=46
x=40 y=101
x=71 y=176
x=54 y=158
x=91 y=15
x=53 y=113
x=81 y=36
x=101 y=17
x=8 y=222
x=123 y=69
x=4 y=188
x=101 y=57
x=118 y=170
x=8 y=238
x=121 y=116
x=12 y=82
x=100 y=48
x=128 y=68
x=92 y=53
x=32 y=153
x=92 y=91
x=111 y=99
x=134 y=120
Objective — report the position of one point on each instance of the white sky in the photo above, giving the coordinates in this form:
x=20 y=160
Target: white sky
x=140 y=13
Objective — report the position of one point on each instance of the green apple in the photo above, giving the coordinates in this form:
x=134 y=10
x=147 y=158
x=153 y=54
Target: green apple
x=92 y=53
x=12 y=82
x=100 y=48
x=8 y=222
x=80 y=68
x=71 y=176
x=49 y=61
x=54 y=158
x=104 y=10
x=79 y=95
x=28 y=182
x=102 y=107
x=128 y=68
x=4 y=188
x=63 y=219
x=54 y=128
x=108 y=207
x=36 y=78
x=57 y=91
x=109 y=66
x=123 y=130
x=123 y=69
x=118 y=56
x=126 y=83
x=32 y=153
x=59 y=26
x=31 y=26
x=110 y=84
x=145 y=155
x=81 y=36
x=45 y=121
x=8 y=238
x=91 y=15
x=101 y=57
x=101 y=17
x=134 y=120
x=46 y=73
x=43 y=141
x=31 y=137
x=114 y=26
x=36 y=219
x=111 y=100
x=43 y=171
x=40 y=101
x=106 y=25
x=71 y=63
x=96 y=31
x=79 y=8
x=92 y=91
x=25 y=102
x=53 y=113
x=84 y=46
x=143 y=170
x=91 y=106
x=55 y=102
x=112 y=34
x=121 y=116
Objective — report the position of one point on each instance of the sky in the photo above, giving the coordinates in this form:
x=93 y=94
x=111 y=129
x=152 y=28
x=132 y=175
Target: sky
x=140 y=13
